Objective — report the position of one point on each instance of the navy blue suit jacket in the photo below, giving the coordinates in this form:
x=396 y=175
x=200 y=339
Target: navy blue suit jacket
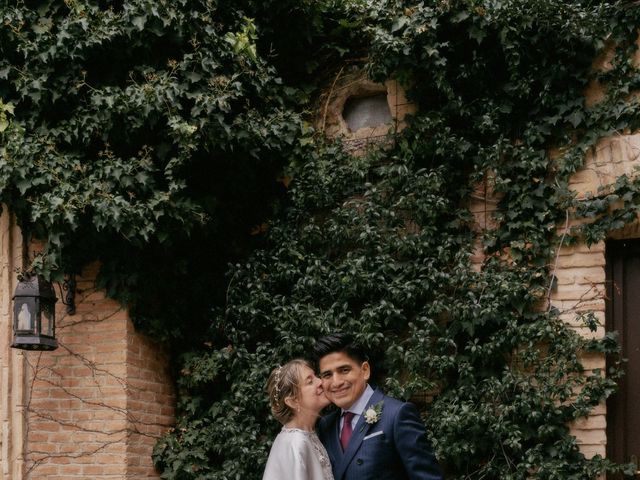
x=393 y=448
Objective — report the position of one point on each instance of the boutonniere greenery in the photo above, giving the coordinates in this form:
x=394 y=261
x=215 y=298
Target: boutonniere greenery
x=373 y=413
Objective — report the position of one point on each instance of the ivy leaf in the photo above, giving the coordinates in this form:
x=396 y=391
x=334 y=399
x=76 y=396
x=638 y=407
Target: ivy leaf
x=139 y=21
x=43 y=25
x=142 y=178
x=576 y=118
x=399 y=23
x=460 y=16
x=23 y=185
x=476 y=33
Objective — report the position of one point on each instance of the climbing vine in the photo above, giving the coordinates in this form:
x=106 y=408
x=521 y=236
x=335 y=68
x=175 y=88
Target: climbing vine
x=161 y=138
x=140 y=131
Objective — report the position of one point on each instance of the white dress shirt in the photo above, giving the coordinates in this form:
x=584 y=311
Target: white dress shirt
x=358 y=407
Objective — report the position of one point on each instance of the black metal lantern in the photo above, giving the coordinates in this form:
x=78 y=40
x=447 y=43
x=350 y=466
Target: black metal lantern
x=34 y=315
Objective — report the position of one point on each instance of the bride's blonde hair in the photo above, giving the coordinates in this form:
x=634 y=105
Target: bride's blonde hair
x=283 y=383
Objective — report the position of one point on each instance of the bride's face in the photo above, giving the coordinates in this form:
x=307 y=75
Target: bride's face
x=311 y=397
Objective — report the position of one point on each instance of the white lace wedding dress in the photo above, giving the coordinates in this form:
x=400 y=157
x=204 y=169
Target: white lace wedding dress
x=297 y=455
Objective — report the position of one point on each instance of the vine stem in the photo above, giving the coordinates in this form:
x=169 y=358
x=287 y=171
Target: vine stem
x=555 y=263
x=326 y=105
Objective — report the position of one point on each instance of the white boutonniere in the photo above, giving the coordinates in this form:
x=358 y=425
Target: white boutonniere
x=373 y=413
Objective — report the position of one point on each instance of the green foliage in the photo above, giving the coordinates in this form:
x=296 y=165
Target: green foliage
x=362 y=254
x=611 y=208
x=150 y=135
x=5 y=111
x=143 y=131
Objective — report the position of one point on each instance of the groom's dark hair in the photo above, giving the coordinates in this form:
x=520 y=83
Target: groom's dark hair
x=339 y=342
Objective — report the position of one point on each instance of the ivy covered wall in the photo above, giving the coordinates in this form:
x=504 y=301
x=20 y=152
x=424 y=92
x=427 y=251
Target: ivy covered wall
x=160 y=137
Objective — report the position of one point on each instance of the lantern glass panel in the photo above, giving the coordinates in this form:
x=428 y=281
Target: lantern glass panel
x=47 y=319
x=25 y=316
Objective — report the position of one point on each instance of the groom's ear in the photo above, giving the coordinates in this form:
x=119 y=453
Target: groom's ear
x=366 y=370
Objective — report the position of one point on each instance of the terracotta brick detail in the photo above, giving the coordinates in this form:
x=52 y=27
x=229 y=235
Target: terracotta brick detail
x=579 y=269
x=352 y=82
x=98 y=403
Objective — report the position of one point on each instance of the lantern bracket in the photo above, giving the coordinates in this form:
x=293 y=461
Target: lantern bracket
x=68 y=298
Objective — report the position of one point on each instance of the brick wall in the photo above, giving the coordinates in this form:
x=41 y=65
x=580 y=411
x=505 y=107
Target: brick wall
x=96 y=405
x=581 y=269
x=581 y=288
x=353 y=82
x=150 y=401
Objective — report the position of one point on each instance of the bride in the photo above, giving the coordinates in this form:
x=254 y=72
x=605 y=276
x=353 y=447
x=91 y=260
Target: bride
x=296 y=398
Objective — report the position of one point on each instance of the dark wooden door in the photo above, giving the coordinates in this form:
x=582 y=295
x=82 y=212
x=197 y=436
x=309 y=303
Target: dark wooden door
x=623 y=316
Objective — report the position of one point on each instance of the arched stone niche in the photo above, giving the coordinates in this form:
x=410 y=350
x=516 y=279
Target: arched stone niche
x=362 y=112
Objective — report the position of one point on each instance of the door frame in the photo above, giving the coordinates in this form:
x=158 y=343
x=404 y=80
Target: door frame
x=616 y=252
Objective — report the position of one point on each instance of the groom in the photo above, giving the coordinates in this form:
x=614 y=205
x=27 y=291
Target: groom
x=372 y=436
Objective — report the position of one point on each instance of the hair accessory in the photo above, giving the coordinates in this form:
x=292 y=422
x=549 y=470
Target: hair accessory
x=276 y=384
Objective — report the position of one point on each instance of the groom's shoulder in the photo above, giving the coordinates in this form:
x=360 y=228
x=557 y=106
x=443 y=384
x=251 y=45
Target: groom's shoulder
x=394 y=405
x=390 y=399
x=392 y=402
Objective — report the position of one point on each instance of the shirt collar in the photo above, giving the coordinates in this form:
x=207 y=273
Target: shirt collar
x=360 y=404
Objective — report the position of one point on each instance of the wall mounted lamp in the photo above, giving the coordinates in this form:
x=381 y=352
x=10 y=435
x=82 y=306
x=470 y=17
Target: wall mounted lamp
x=34 y=312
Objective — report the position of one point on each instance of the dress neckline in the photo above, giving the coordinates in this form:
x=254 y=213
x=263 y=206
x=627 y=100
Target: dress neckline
x=294 y=429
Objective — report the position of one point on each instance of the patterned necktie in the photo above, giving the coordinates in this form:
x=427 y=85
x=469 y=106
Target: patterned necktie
x=347 y=429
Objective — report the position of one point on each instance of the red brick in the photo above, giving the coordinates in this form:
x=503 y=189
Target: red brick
x=110 y=364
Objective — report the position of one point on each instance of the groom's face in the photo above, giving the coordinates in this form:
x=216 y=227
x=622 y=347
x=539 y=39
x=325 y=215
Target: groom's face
x=344 y=379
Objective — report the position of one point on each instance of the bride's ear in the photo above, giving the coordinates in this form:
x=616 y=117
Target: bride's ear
x=291 y=402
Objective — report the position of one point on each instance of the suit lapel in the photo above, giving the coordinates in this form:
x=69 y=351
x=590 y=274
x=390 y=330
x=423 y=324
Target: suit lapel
x=359 y=432
x=333 y=441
